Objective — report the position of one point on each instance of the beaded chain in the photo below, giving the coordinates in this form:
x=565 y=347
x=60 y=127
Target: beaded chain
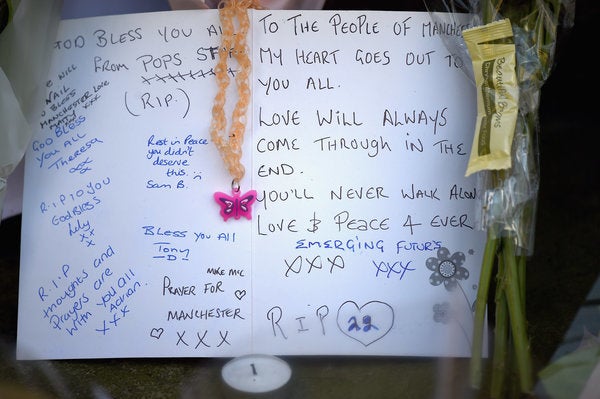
x=233 y=44
x=230 y=146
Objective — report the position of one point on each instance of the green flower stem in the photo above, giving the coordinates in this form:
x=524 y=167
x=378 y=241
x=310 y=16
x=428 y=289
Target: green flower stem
x=501 y=335
x=489 y=11
x=518 y=322
x=487 y=267
x=522 y=268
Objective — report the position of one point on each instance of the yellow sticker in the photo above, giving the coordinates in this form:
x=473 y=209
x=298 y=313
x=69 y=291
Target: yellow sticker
x=492 y=52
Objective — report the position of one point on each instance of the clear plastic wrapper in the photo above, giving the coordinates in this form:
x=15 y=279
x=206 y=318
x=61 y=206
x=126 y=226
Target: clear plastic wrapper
x=508 y=191
x=508 y=199
x=25 y=45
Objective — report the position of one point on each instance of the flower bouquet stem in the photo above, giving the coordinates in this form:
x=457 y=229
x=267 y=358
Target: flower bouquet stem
x=501 y=332
x=518 y=321
x=510 y=196
x=510 y=333
x=487 y=268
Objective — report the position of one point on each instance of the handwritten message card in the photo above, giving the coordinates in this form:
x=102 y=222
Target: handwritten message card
x=363 y=237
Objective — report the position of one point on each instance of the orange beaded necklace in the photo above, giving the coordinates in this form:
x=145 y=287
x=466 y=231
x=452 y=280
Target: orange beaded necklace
x=230 y=145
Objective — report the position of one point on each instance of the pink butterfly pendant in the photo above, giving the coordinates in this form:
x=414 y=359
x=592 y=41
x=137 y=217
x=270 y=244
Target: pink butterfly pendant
x=237 y=205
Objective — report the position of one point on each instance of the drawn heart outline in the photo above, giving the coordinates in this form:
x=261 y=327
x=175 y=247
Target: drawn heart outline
x=239 y=294
x=157 y=332
x=367 y=323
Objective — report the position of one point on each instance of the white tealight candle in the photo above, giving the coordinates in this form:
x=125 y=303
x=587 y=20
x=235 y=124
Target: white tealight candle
x=256 y=374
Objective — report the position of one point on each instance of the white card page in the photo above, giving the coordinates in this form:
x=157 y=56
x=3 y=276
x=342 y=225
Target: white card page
x=362 y=239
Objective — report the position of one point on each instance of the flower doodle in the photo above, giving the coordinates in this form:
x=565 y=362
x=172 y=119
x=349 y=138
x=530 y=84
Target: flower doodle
x=447 y=269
